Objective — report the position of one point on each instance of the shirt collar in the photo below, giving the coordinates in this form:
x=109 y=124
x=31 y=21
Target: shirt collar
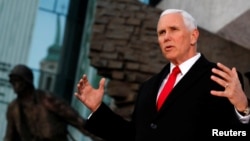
x=185 y=66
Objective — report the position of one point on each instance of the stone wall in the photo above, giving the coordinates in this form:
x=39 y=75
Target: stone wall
x=124 y=49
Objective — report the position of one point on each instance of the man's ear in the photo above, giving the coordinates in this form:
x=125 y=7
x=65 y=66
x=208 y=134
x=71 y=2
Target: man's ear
x=194 y=36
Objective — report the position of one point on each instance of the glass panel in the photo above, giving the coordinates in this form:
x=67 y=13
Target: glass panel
x=47 y=39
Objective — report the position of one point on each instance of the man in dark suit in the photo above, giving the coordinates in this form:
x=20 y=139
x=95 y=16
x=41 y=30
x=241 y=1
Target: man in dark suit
x=207 y=100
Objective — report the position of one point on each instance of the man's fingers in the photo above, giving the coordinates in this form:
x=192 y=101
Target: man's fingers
x=220 y=81
x=102 y=83
x=220 y=73
x=223 y=72
x=234 y=71
x=77 y=95
x=223 y=67
x=84 y=80
x=218 y=93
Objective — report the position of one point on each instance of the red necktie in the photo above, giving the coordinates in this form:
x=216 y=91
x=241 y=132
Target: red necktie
x=168 y=87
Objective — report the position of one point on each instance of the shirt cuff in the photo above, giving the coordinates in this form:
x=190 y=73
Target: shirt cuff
x=90 y=115
x=243 y=119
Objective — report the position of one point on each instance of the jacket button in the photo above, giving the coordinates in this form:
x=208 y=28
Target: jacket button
x=153 y=126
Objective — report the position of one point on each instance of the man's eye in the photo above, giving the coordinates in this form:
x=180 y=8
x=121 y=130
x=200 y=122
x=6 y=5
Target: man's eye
x=162 y=32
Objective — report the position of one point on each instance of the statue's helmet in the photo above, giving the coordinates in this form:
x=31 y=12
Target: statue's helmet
x=22 y=71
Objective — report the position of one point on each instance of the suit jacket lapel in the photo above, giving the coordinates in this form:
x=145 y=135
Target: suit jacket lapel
x=153 y=88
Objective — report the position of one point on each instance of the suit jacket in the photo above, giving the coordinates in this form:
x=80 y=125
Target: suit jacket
x=190 y=112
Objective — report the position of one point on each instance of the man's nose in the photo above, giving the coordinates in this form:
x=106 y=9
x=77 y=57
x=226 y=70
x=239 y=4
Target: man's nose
x=167 y=36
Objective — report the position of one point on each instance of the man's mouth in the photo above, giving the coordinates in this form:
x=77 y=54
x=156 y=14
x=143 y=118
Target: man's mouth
x=168 y=47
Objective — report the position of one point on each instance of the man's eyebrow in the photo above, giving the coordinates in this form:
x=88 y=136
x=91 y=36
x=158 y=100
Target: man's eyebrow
x=173 y=27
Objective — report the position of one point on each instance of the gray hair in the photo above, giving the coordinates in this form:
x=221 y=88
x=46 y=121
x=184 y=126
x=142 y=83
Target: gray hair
x=189 y=21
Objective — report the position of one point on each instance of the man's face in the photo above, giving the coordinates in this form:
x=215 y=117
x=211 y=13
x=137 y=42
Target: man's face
x=18 y=84
x=176 y=41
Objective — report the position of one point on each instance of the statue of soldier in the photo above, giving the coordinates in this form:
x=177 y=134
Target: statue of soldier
x=36 y=115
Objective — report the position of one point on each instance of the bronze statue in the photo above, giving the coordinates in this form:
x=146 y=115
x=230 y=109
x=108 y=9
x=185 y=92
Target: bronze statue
x=36 y=115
